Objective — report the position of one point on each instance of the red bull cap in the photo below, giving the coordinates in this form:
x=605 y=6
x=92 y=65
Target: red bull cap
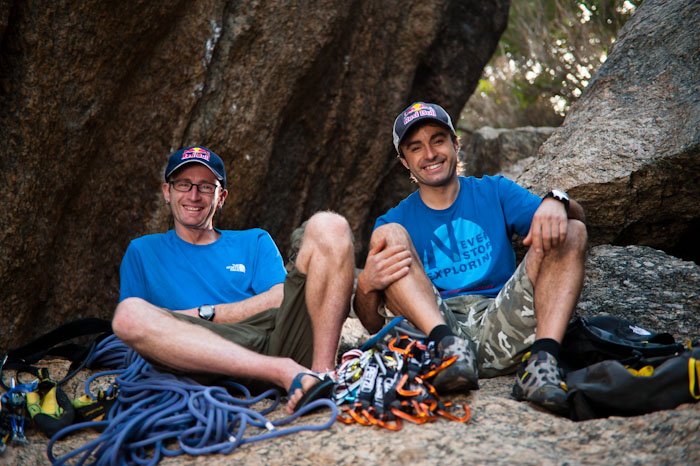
x=419 y=111
x=196 y=154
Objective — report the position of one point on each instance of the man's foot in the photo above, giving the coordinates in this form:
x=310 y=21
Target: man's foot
x=538 y=380
x=461 y=375
x=307 y=387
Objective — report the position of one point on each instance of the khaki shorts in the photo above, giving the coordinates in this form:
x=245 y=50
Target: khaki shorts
x=503 y=328
x=284 y=331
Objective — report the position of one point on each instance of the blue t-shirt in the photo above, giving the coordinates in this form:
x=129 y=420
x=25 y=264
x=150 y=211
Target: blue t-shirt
x=466 y=248
x=169 y=272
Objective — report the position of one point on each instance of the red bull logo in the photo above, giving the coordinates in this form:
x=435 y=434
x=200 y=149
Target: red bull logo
x=416 y=111
x=196 y=153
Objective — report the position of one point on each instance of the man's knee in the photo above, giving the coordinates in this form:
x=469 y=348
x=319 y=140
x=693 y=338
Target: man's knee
x=392 y=234
x=328 y=230
x=577 y=236
x=128 y=323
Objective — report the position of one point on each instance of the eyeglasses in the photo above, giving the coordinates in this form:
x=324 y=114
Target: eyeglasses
x=185 y=186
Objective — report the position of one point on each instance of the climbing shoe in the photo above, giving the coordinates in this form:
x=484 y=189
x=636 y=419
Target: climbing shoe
x=538 y=380
x=89 y=409
x=461 y=375
x=49 y=406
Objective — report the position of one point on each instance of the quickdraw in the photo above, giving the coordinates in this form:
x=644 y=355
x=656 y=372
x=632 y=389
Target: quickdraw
x=13 y=413
x=390 y=383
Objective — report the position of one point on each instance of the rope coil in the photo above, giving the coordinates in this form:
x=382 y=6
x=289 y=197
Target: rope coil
x=158 y=415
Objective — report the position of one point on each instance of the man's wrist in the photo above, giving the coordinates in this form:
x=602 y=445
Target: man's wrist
x=560 y=196
x=206 y=312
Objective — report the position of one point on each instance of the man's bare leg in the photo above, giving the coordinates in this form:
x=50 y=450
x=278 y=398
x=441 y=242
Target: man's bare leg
x=557 y=279
x=158 y=336
x=326 y=257
x=411 y=296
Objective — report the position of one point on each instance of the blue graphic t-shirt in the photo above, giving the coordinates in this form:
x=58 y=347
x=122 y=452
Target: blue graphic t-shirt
x=169 y=272
x=466 y=248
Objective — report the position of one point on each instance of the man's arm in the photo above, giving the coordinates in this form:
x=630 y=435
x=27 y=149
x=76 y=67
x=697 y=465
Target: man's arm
x=550 y=223
x=384 y=266
x=229 y=313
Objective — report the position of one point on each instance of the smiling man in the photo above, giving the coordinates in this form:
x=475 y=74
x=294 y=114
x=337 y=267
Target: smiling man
x=198 y=299
x=443 y=258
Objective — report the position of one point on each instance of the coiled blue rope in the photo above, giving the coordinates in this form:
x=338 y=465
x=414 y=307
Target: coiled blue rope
x=158 y=415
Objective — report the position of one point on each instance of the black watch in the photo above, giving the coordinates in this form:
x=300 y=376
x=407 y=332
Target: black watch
x=560 y=196
x=206 y=312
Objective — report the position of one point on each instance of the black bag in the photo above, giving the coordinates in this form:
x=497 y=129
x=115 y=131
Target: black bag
x=58 y=343
x=609 y=388
x=591 y=340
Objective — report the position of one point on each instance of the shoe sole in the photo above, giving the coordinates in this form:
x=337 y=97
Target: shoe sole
x=549 y=397
x=456 y=378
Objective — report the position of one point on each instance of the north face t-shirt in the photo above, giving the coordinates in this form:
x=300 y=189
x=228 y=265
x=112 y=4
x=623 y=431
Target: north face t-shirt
x=169 y=272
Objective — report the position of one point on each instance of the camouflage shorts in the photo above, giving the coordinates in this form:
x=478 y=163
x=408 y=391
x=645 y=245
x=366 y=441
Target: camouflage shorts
x=503 y=328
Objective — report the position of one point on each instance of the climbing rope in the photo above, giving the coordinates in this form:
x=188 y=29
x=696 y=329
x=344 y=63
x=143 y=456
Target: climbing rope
x=159 y=415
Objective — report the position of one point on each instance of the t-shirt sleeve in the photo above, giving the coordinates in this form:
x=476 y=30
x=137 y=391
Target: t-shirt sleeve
x=392 y=215
x=131 y=279
x=519 y=206
x=269 y=270
x=380 y=221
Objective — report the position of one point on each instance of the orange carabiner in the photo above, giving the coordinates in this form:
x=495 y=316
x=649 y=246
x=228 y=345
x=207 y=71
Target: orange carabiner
x=394 y=425
x=423 y=411
x=345 y=419
x=446 y=363
x=402 y=392
x=409 y=417
x=452 y=417
x=358 y=418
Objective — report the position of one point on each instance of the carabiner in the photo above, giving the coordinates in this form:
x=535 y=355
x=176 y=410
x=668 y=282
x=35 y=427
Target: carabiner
x=445 y=364
x=402 y=392
x=452 y=417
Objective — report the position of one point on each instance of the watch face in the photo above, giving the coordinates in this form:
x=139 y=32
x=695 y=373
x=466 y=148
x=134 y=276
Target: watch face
x=206 y=311
x=560 y=194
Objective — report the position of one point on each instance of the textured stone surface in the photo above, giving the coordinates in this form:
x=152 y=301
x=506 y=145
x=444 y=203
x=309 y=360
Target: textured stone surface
x=491 y=151
x=629 y=149
x=297 y=97
x=643 y=285
x=631 y=282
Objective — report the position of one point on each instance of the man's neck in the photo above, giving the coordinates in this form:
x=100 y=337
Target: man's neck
x=198 y=236
x=440 y=197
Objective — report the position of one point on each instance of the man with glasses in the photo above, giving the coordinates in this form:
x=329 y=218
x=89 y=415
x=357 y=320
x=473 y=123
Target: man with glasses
x=197 y=299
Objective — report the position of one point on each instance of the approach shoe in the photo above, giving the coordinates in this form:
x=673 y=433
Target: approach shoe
x=538 y=380
x=462 y=374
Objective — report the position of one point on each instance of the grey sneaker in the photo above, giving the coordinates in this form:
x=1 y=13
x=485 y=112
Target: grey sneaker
x=461 y=375
x=538 y=380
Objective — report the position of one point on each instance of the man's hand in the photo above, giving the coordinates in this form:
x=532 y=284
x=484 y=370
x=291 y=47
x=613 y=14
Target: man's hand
x=548 y=228
x=384 y=266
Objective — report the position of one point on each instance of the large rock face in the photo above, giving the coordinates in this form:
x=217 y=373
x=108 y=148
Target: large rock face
x=297 y=97
x=629 y=149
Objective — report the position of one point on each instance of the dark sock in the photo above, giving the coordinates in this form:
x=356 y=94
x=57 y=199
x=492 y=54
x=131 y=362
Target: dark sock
x=546 y=344
x=439 y=332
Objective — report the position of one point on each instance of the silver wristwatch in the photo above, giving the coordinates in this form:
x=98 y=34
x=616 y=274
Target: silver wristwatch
x=206 y=312
x=560 y=196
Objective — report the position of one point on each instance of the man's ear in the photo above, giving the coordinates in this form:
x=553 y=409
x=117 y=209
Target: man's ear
x=403 y=162
x=166 y=192
x=222 y=197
